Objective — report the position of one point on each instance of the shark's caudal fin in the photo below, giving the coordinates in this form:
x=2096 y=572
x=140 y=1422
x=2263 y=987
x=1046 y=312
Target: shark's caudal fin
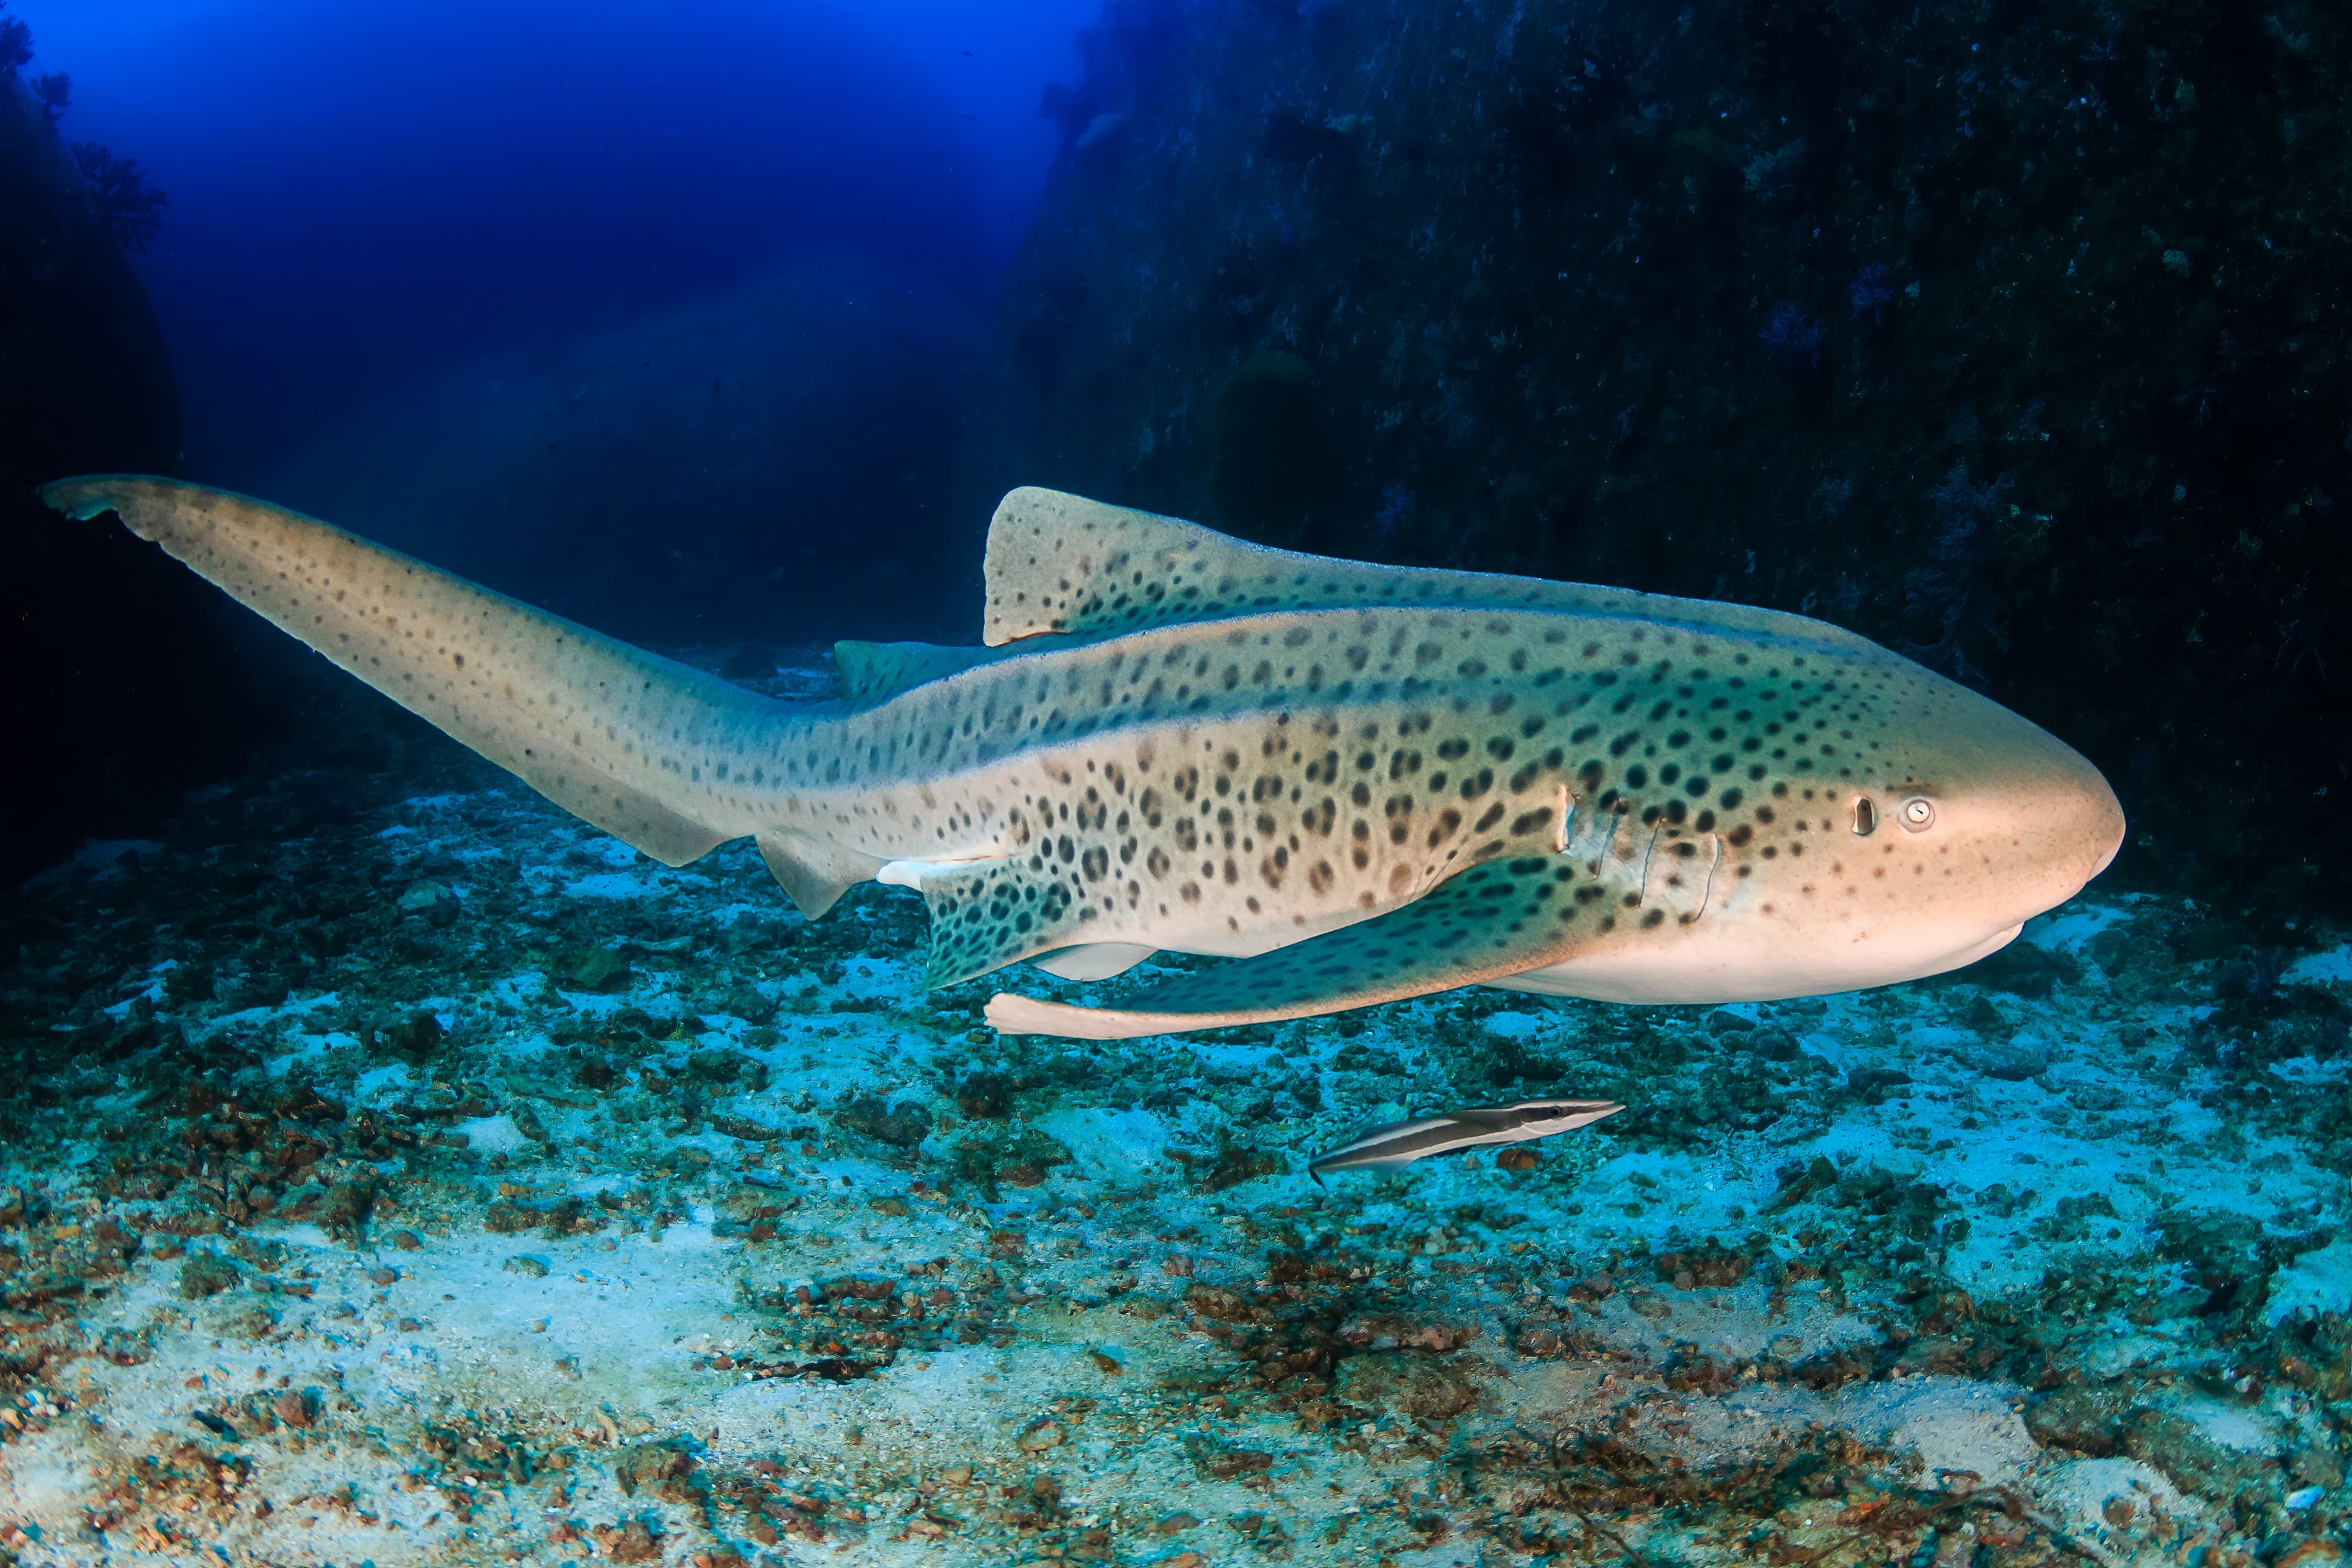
x=1500 y=919
x=1062 y=563
x=637 y=744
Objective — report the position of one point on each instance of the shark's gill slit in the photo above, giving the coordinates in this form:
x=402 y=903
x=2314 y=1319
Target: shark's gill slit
x=1713 y=864
x=1600 y=831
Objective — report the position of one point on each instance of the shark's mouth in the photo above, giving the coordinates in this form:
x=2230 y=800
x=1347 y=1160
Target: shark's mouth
x=1984 y=949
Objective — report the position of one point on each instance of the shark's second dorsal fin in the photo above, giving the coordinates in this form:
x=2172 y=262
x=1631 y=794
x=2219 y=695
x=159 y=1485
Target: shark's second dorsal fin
x=1062 y=563
x=878 y=671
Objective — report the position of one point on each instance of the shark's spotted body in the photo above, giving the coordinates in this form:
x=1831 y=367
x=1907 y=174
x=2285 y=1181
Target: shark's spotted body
x=1364 y=782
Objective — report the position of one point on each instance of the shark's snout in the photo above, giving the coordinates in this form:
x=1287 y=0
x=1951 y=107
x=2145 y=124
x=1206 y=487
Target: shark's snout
x=2112 y=825
x=2086 y=822
x=2103 y=824
x=2063 y=826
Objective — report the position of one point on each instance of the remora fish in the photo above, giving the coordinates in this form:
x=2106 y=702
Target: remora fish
x=1362 y=783
x=1401 y=1142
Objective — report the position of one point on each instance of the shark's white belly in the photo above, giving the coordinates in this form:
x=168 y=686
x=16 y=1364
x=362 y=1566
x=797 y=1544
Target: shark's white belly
x=1767 y=967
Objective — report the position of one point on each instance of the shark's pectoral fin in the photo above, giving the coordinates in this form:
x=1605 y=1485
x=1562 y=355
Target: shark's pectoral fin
x=1498 y=919
x=988 y=913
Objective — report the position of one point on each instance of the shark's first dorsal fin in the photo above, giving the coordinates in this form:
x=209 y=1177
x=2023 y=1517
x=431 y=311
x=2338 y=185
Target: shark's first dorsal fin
x=1062 y=563
x=878 y=671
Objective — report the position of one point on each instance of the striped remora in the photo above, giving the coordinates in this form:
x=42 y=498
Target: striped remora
x=1399 y=1143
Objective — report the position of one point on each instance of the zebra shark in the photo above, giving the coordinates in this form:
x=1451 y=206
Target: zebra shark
x=1353 y=782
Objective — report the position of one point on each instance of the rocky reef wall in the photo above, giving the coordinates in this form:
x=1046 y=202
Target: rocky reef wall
x=120 y=684
x=2009 y=333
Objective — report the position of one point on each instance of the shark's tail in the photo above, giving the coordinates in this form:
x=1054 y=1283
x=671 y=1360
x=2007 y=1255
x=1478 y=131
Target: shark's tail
x=657 y=754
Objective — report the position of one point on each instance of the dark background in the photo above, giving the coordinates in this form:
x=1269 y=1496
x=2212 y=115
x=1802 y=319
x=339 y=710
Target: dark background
x=2010 y=334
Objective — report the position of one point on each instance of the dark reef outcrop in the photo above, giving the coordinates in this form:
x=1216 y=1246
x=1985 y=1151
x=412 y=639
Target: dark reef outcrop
x=2011 y=334
x=120 y=684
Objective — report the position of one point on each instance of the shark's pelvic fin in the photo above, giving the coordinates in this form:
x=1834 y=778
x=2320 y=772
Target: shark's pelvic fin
x=607 y=731
x=1062 y=563
x=1093 y=960
x=1502 y=918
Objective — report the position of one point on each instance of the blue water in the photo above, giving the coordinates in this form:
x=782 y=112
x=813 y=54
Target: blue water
x=363 y=195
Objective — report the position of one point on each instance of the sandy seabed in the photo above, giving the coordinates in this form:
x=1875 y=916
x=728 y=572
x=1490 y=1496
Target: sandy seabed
x=398 y=1177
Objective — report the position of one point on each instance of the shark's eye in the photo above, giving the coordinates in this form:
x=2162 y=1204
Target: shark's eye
x=1918 y=814
x=1865 y=816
